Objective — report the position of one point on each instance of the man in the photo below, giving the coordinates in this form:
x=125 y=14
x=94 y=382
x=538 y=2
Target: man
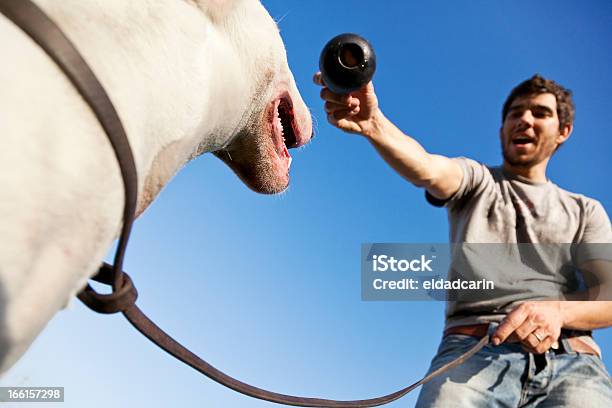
x=542 y=352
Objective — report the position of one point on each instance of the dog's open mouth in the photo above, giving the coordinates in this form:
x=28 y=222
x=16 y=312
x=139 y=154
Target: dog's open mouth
x=285 y=115
x=260 y=154
x=284 y=134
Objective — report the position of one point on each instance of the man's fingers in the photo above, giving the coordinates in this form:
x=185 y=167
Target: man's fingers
x=331 y=107
x=544 y=345
x=317 y=79
x=513 y=338
x=514 y=320
x=346 y=100
x=335 y=117
x=525 y=330
x=343 y=123
x=340 y=114
x=532 y=340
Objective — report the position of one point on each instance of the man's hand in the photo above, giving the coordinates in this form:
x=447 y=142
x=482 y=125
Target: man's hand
x=355 y=112
x=537 y=325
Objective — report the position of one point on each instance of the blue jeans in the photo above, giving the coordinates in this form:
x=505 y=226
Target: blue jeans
x=507 y=376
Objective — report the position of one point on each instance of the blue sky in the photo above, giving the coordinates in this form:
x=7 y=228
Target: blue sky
x=268 y=288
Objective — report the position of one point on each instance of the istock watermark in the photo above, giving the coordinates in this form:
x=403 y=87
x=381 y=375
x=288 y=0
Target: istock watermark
x=384 y=263
x=485 y=272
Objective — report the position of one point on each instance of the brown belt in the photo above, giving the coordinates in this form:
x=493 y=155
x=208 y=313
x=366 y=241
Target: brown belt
x=479 y=330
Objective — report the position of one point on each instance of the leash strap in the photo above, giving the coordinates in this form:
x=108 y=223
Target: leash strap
x=34 y=22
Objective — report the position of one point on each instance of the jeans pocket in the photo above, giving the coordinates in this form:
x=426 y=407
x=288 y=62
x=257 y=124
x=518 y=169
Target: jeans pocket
x=598 y=362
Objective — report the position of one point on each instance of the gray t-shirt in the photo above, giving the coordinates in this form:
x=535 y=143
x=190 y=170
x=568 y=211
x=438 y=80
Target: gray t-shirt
x=494 y=207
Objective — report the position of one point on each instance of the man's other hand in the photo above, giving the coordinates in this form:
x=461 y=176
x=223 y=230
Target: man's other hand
x=537 y=325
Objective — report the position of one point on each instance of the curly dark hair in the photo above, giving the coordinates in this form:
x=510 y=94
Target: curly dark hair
x=538 y=85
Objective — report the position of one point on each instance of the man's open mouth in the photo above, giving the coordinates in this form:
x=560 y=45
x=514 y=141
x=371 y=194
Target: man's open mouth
x=523 y=140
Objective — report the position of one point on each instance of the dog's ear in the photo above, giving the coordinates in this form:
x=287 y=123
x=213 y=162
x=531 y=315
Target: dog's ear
x=217 y=10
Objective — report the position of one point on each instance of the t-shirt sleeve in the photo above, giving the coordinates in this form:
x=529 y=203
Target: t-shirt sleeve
x=597 y=229
x=473 y=175
x=596 y=243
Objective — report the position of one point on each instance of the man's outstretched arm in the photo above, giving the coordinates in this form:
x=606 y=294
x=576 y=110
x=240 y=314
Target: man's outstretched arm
x=359 y=113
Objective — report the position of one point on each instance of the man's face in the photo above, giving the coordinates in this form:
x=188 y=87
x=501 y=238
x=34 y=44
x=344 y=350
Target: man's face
x=530 y=132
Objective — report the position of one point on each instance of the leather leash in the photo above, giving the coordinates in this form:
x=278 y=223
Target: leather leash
x=34 y=22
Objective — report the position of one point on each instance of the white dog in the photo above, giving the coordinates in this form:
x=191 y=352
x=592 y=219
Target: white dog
x=186 y=77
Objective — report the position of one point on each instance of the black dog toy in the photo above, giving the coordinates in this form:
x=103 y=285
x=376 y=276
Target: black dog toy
x=347 y=63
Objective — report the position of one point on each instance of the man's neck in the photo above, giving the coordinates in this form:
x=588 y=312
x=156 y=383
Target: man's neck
x=536 y=173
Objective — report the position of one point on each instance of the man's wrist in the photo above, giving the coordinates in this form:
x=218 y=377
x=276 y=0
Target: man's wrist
x=376 y=130
x=564 y=312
